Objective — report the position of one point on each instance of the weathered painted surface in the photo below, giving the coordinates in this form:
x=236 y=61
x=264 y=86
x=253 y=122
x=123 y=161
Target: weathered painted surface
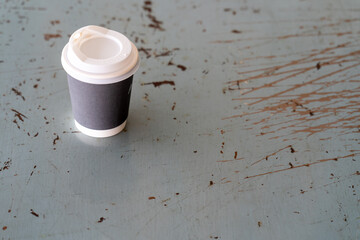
x=244 y=123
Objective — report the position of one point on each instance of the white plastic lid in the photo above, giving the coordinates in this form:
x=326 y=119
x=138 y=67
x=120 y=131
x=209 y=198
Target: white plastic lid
x=99 y=56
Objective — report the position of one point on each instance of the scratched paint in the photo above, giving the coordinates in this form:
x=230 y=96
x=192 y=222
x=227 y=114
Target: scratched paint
x=295 y=107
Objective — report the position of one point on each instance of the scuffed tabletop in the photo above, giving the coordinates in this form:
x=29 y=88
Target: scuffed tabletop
x=244 y=123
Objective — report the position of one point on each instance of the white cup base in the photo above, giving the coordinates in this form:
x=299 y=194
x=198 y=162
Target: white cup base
x=100 y=133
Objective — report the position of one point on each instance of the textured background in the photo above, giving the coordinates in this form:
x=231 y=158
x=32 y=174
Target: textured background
x=244 y=123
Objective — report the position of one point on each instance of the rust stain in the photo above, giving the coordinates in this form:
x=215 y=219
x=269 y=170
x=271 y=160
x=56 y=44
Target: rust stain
x=300 y=166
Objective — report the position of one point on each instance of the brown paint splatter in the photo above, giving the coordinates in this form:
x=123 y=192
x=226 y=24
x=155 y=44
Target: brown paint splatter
x=18 y=93
x=235 y=155
x=146 y=97
x=146 y=51
x=56 y=139
x=6 y=165
x=158 y=84
x=54 y=22
x=4 y=228
x=211 y=183
x=259 y=224
x=35 y=85
x=165 y=53
x=292 y=150
x=151 y=198
x=101 y=220
x=236 y=31
x=34 y=213
x=318 y=66
x=18 y=126
x=147 y=6
x=173 y=106
x=155 y=23
x=19 y=115
x=49 y=36
x=182 y=67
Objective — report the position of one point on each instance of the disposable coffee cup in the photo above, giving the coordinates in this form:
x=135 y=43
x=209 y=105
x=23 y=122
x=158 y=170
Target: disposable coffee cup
x=100 y=64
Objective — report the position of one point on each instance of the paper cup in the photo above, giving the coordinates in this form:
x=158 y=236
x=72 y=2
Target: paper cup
x=100 y=64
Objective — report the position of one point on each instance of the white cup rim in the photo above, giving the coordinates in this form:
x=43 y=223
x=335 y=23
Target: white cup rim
x=83 y=66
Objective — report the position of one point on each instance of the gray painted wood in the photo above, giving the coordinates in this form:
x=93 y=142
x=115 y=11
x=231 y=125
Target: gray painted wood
x=258 y=139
